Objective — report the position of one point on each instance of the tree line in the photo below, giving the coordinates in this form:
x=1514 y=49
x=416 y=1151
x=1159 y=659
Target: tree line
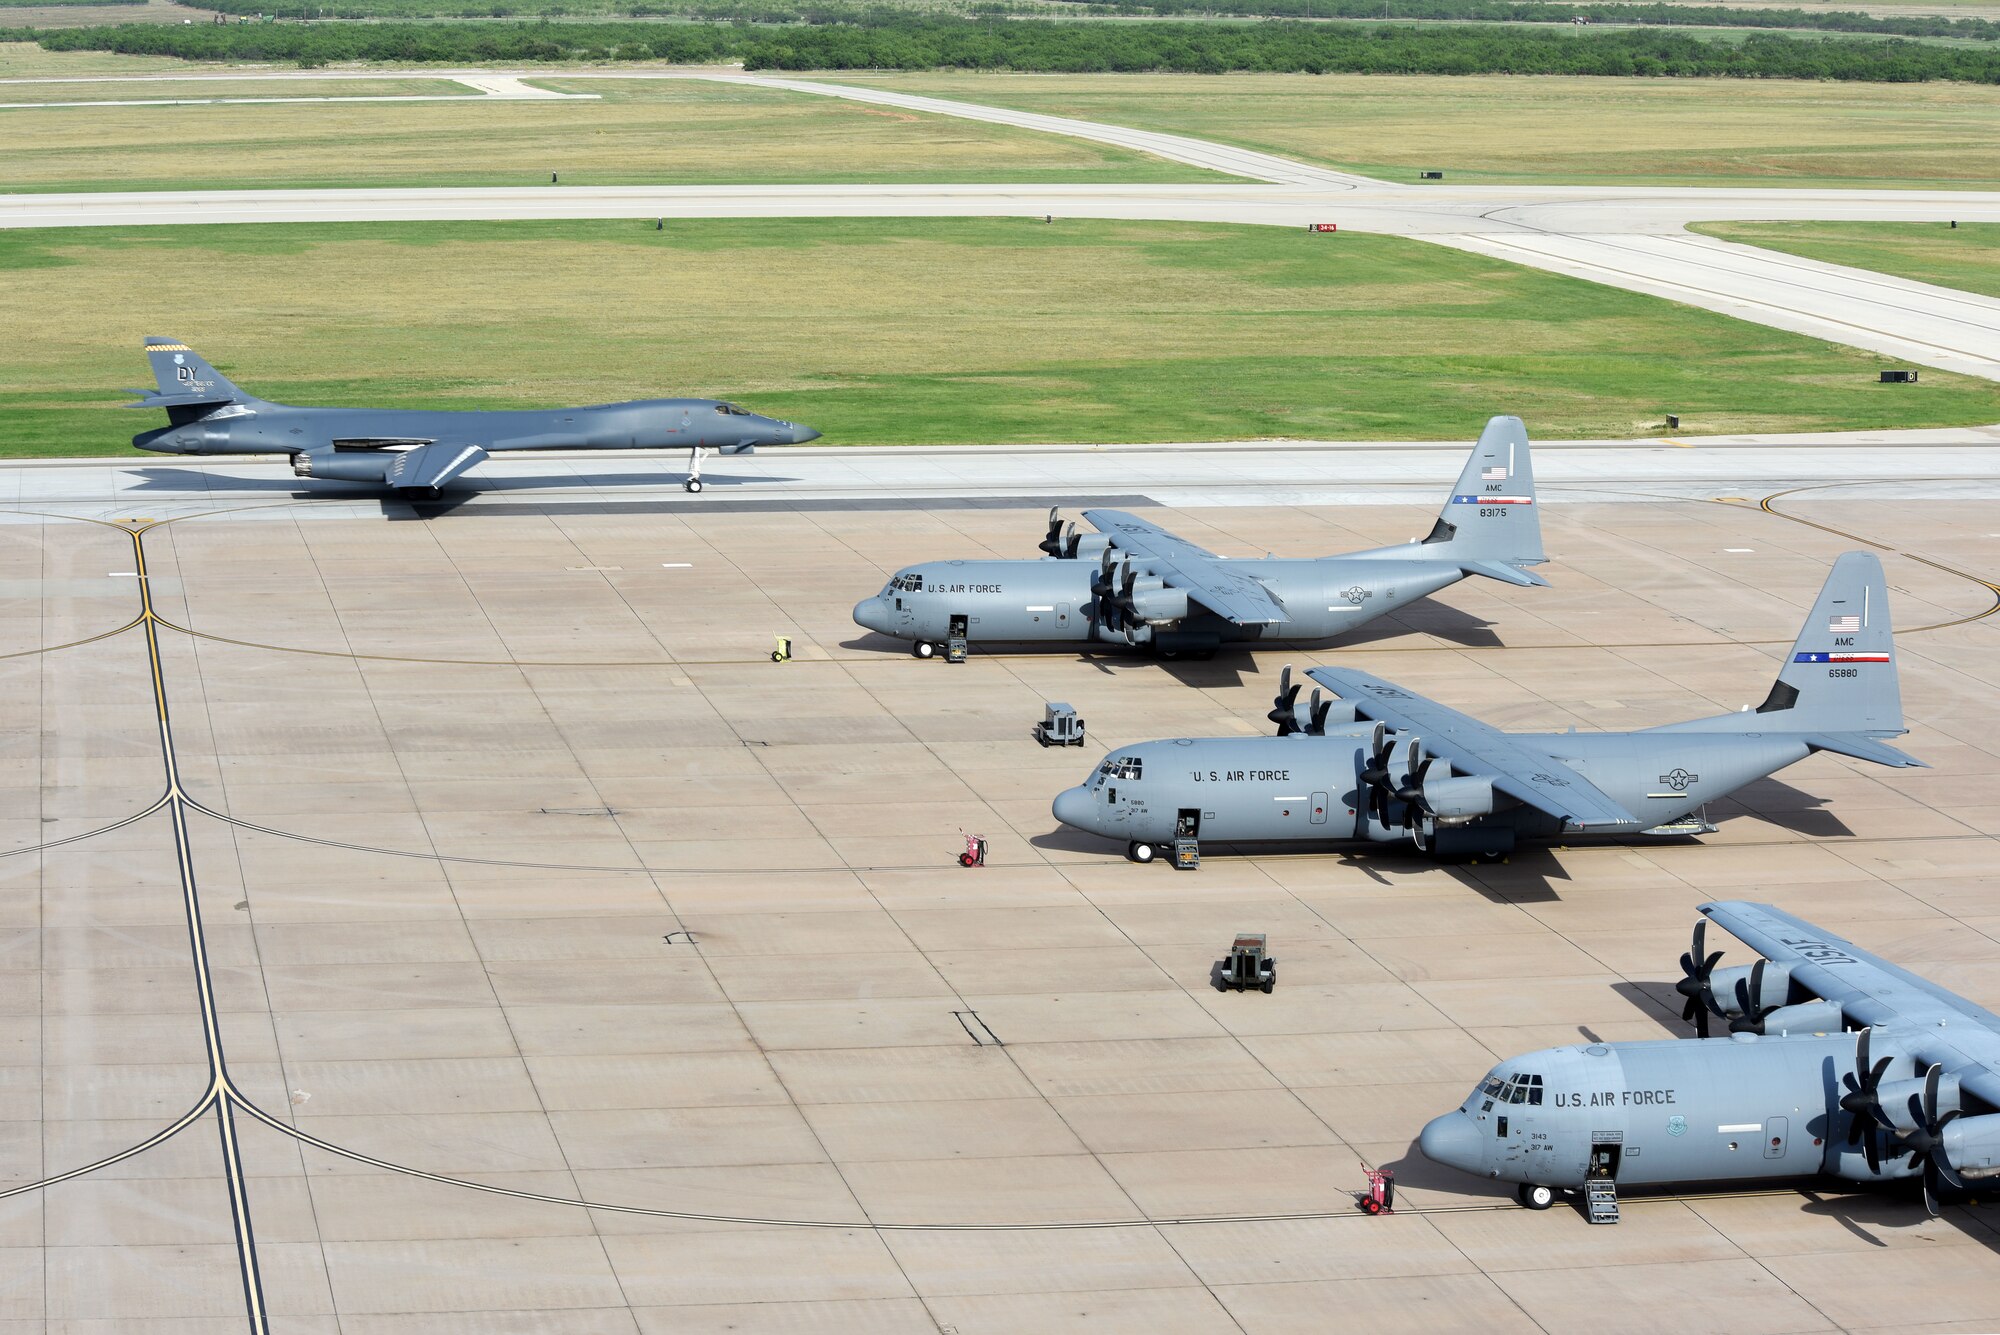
x=919 y=42
x=1552 y=11
x=852 y=11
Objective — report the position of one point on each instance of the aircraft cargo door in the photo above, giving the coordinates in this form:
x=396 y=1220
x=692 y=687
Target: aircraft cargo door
x=1319 y=809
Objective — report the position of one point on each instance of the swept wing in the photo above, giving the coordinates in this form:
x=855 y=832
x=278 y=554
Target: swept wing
x=1516 y=769
x=1205 y=576
x=433 y=464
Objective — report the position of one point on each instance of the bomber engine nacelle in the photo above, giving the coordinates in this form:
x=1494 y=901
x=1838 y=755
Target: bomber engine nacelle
x=1972 y=1145
x=345 y=466
x=1458 y=799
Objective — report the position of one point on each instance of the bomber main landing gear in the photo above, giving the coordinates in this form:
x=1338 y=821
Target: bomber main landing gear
x=1535 y=1197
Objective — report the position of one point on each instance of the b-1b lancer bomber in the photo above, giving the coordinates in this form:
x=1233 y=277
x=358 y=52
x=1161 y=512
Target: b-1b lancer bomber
x=416 y=451
x=1362 y=758
x=1133 y=583
x=1789 y=1094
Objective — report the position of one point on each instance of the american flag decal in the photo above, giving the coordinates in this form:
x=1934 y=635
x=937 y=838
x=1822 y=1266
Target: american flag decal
x=1844 y=625
x=1497 y=473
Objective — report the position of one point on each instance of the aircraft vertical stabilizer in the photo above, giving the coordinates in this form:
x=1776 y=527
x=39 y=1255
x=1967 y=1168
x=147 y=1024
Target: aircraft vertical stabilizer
x=1841 y=674
x=1489 y=525
x=185 y=377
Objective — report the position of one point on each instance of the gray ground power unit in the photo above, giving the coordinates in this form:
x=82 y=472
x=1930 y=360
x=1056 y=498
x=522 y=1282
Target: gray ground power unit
x=1059 y=726
x=1249 y=965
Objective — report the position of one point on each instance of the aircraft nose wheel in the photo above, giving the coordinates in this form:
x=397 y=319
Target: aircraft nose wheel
x=692 y=484
x=1535 y=1197
x=1140 y=851
x=923 y=649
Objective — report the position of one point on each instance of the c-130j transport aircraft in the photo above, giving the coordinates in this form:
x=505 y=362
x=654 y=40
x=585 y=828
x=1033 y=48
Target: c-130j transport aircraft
x=1788 y=1095
x=415 y=451
x=1133 y=583
x=1372 y=761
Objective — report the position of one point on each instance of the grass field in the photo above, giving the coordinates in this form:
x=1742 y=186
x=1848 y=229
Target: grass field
x=83 y=90
x=1966 y=257
x=678 y=132
x=1543 y=130
x=25 y=60
x=913 y=331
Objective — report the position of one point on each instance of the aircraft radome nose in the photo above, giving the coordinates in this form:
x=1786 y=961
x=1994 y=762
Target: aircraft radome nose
x=802 y=434
x=1074 y=808
x=872 y=615
x=1453 y=1140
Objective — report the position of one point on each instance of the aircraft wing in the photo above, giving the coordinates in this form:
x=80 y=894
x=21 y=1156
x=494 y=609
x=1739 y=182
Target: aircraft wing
x=434 y=464
x=1516 y=769
x=1933 y=1025
x=1205 y=576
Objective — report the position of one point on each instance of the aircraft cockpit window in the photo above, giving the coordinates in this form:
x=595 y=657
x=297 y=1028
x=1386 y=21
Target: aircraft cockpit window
x=1126 y=767
x=731 y=410
x=906 y=583
x=1531 y=1085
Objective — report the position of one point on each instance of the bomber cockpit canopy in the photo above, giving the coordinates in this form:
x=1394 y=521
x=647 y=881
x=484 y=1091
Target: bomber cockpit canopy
x=733 y=410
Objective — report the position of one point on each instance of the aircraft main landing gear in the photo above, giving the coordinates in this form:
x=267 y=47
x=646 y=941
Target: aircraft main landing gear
x=1140 y=851
x=923 y=649
x=1535 y=1197
x=693 y=483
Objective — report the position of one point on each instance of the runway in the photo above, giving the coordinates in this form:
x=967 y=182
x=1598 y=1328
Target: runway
x=1950 y=463
x=1631 y=237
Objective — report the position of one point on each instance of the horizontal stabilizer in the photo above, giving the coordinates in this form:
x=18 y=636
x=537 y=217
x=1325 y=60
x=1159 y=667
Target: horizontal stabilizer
x=152 y=400
x=1506 y=574
x=1863 y=748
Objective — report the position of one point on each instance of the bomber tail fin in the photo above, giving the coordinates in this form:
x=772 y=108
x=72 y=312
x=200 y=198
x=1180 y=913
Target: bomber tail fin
x=186 y=380
x=1489 y=526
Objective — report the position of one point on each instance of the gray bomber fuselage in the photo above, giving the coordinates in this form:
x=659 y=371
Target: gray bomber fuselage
x=1050 y=600
x=1307 y=787
x=1678 y=1111
x=272 y=428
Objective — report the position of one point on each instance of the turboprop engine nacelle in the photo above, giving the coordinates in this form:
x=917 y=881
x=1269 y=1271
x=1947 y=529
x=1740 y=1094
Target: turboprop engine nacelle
x=1457 y=800
x=1774 y=982
x=353 y=466
x=1090 y=546
x=1153 y=601
x=1811 y=1017
x=1972 y=1145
